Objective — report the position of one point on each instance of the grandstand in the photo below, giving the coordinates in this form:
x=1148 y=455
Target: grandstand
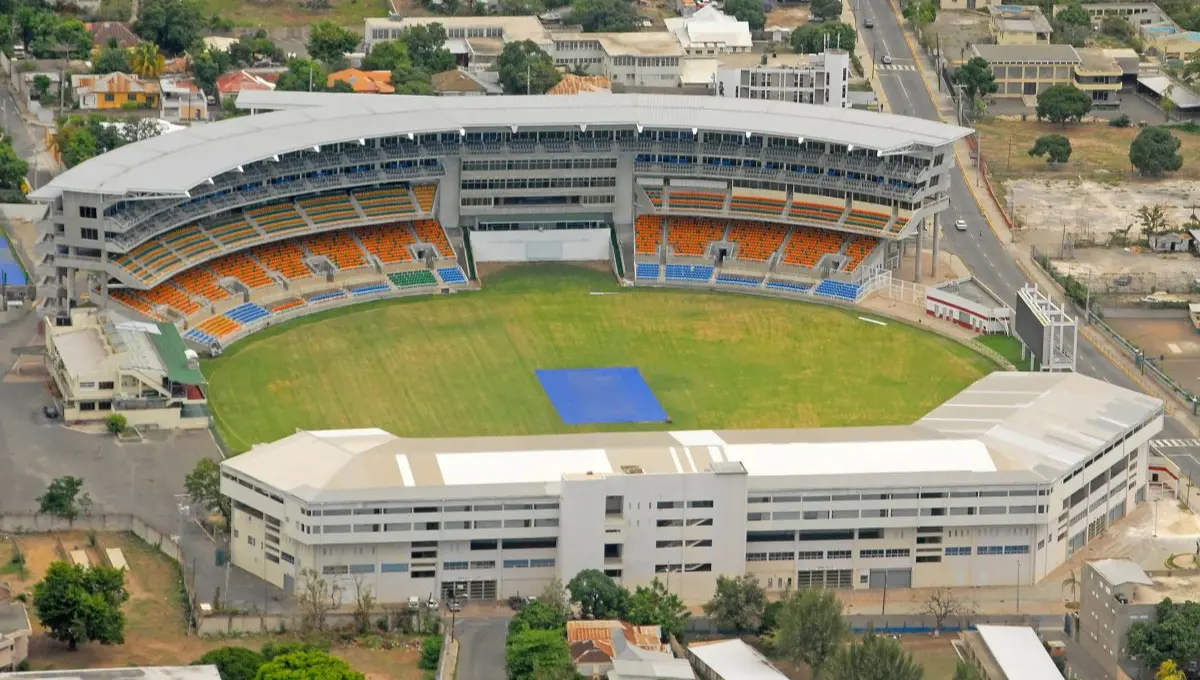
x=251 y=207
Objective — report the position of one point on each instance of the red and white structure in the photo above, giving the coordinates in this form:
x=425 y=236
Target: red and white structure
x=970 y=304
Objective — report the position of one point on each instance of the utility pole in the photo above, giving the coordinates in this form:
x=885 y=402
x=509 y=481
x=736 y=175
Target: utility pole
x=1018 y=585
x=883 y=609
x=528 y=78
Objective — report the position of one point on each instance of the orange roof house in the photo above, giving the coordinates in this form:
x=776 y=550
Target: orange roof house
x=370 y=82
x=573 y=84
x=594 y=644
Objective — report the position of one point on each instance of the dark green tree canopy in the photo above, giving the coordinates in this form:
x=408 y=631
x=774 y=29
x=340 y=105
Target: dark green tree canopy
x=536 y=654
x=63 y=498
x=1063 y=104
x=1155 y=151
x=77 y=605
x=233 y=663
x=203 y=484
x=1056 y=148
x=749 y=11
x=826 y=10
x=1073 y=15
x=307 y=665
x=537 y=615
x=12 y=167
x=738 y=604
x=976 y=78
x=329 y=43
x=811 y=38
x=1171 y=636
x=604 y=16
x=526 y=69
x=872 y=659
x=111 y=60
x=599 y=597
x=810 y=628
x=174 y=25
x=656 y=606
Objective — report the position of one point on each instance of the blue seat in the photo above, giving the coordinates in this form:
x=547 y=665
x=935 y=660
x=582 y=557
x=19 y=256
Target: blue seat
x=790 y=286
x=735 y=280
x=368 y=290
x=451 y=275
x=646 y=270
x=331 y=295
x=689 y=272
x=837 y=289
x=200 y=336
x=247 y=313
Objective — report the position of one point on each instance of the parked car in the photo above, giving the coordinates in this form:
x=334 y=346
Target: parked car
x=454 y=606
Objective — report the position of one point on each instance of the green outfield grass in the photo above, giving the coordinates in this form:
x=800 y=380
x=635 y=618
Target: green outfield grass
x=464 y=365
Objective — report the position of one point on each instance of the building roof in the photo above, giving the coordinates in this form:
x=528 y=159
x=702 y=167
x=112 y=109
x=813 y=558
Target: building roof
x=710 y=26
x=103 y=31
x=1019 y=653
x=456 y=80
x=643 y=44
x=638 y=669
x=13 y=617
x=147 y=673
x=573 y=84
x=242 y=80
x=363 y=82
x=1095 y=61
x=111 y=82
x=1183 y=97
x=174 y=355
x=1121 y=572
x=1024 y=54
x=1019 y=19
x=1006 y=428
x=514 y=28
x=173 y=164
x=734 y=659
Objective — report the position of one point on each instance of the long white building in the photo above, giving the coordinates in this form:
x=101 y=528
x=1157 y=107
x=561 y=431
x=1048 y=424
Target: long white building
x=999 y=485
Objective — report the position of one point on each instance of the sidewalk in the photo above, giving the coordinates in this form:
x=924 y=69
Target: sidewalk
x=860 y=50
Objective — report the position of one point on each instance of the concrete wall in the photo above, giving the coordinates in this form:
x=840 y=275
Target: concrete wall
x=565 y=245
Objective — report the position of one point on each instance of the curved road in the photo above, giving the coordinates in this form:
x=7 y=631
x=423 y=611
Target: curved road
x=979 y=247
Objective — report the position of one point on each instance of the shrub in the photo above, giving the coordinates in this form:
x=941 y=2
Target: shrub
x=1121 y=121
x=431 y=653
x=116 y=423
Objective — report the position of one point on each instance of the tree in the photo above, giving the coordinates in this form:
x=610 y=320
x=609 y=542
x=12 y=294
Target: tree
x=174 y=25
x=146 y=60
x=431 y=653
x=920 y=12
x=76 y=604
x=303 y=75
x=329 y=43
x=41 y=86
x=62 y=499
x=532 y=654
x=273 y=650
x=976 y=79
x=526 y=69
x=749 y=11
x=387 y=56
x=826 y=10
x=1071 y=584
x=1170 y=636
x=1153 y=219
x=657 y=606
x=425 y=47
x=1070 y=34
x=13 y=168
x=1056 y=148
x=1074 y=15
x=203 y=484
x=537 y=615
x=599 y=597
x=317 y=597
x=556 y=597
x=965 y=670
x=1155 y=151
x=116 y=423
x=110 y=60
x=73 y=35
x=207 y=67
x=738 y=604
x=251 y=49
x=810 y=628
x=1167 y=104
x=1169 y=670
x=811 y=38
x=604 y=16
x=307 y=665
x=364 y=604
x=1063 y=104
x=233 y=663
x=941 y=605
x=874 y=658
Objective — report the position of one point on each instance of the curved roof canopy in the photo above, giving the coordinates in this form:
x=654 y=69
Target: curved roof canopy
x=173 y=164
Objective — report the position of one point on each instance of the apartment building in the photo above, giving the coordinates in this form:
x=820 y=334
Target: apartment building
x=821 y=79
x=1113 y=595
x=965 y=496
x=1028 y=70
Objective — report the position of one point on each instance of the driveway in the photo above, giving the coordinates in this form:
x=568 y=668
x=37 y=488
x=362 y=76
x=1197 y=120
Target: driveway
x=481 y=648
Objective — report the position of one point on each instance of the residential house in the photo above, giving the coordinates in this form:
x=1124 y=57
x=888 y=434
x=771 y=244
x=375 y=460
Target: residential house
x=230 y=84
x=1018 y=25
x=1171 y=242
x=462 y=83
x=709 y=32
x=635 y=663
x=105 y=31
x=183 y=100
x=594 y=644
x=1009 y=653
x=363 y=82
x=14 y=634
x=113 y=91
x=730 y=660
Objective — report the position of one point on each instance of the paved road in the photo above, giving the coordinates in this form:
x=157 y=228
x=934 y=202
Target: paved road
x=979 y=247
x=481 y=650
x=23 y=140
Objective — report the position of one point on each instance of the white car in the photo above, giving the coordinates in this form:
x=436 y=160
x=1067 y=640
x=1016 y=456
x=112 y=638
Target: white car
x=886 y=59
x=960 y=225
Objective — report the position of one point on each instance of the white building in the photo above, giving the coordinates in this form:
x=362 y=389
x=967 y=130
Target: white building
x=821 y=79
x=710 y=32
x=634 y=60
x=474 y=41
x=1000 y=484
x=970 y=304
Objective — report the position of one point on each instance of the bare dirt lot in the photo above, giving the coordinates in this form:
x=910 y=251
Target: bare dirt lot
x=789 y=16
x=958 y=29
x=155 y=630
x=1173 y=342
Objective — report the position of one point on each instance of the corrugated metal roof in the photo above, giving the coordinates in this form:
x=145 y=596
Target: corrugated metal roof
x=173 y=164
x=1120 y=572
x=1019 y=653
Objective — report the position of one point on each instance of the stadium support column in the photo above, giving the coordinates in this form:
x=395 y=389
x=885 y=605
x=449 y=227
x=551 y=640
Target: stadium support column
x=920 y=248
x=937 y=233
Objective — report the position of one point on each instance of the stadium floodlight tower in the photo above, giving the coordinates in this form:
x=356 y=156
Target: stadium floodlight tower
x=1045 y=330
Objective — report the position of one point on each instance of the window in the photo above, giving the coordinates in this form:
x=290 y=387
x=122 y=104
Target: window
x=839 y=554
x=288 y=558
x=921 y=559
x=362 y=568
x=958 y=551
x=250 y=540
x=87 y=211
x=1016 y=550
x=516 y=564
x=455 y=566
x=810 y=555
x=700 y=504
x=335 y=570
x=89 y=234
x=870 y=554
x=393 y=567
x=544 y=562
x=669 y=505
x=991 y=550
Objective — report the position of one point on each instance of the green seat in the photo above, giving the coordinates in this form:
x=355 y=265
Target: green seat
x=413 y=278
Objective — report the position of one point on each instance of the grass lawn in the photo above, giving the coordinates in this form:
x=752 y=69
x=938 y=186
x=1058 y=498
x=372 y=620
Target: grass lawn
x=1098 y=152
x=347 y=13
x=1006 y=346
x=155 y=630
x=935 y=655
x=464 y=365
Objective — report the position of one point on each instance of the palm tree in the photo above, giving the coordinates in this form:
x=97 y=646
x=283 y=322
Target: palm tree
x=1071 y=582
x=146 y=60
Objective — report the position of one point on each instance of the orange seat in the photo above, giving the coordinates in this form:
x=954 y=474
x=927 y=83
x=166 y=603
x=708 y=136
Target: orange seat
x=858 y=250
x=756 y=240
x=285 y=257
x=690 y=236
x=648 y=230
x=430 y=231
x=200 y=282
x=425 y=195
x=808 y=245
x=218 y=326
x=168 y=294
x=329 y=209
x=242 y=267
x=697 y=200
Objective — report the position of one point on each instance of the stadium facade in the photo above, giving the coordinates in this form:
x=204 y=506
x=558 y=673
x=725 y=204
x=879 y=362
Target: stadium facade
x=997 y=486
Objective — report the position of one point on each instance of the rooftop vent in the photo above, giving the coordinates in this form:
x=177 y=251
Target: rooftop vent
x=632 y=469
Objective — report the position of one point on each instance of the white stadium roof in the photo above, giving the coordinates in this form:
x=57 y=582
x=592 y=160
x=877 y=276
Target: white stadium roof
x=1005 y=428
x=173 y=164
